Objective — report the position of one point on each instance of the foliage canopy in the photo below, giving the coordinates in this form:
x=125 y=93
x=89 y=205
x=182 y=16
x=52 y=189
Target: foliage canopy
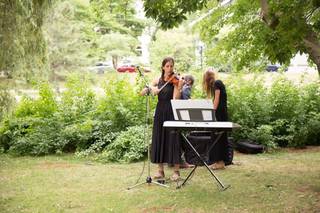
x=248 y=31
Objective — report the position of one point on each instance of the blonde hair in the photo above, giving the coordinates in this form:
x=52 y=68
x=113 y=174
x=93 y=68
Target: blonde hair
x=209 y=78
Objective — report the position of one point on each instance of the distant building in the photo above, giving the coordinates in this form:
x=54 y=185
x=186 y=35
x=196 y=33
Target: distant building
x=299 y=63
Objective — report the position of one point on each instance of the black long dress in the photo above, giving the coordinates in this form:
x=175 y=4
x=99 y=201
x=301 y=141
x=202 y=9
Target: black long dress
x=165 y=147
x=220 y=150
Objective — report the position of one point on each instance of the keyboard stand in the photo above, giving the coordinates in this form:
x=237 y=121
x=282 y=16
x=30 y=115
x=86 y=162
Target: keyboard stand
x=214 y=127
x=223 y=187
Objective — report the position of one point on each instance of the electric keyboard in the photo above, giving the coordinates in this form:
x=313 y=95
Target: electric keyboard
x=219 y=125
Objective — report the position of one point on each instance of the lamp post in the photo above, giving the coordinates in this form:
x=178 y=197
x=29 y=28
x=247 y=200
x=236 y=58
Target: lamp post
x=200 y=48
x=201 y=56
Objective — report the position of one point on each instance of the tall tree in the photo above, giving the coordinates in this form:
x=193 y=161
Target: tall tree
x=22 y=45
x=80 y=34
x=118 y=26
x=257 y=29
x=117 y=16
x=174 y=43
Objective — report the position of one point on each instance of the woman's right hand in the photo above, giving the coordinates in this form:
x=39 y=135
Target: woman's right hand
x=155 y=90
x=145 y=91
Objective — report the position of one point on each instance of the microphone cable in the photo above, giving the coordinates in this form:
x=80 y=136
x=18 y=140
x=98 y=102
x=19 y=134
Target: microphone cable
x=145 y=129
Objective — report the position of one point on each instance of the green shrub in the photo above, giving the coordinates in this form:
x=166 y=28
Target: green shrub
x=78 y=101
x=282 y=132
x=306 y=132
x=285 y=115
x=311 y=98
x=25 y=107
x=122 y=105
x=247 y=103
x=6 y=102
x=42 y=126
x=102 y=136
x=44 y=106
x=13 y=129
x=284 y=99
x=77 y=136
x=305 y=127
x=6 y=135
x=127 y=147
x=97 y=146
x=263 y=135
x=313 y=127
x=31 y=136
x=290 y=110
x=76 y=109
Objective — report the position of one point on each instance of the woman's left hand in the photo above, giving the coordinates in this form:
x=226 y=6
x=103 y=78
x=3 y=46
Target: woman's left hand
x=180 y=84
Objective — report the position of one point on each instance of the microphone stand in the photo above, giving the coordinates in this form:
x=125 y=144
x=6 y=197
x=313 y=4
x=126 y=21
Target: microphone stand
x=149 y=180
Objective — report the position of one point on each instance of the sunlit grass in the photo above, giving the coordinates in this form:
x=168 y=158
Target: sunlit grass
x=279 y=182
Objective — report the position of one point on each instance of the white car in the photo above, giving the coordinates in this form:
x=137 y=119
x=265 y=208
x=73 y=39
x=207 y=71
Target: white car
x=101 y=67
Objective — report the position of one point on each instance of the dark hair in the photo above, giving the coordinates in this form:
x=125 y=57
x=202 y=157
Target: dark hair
x=189 y=78
x=164 y=61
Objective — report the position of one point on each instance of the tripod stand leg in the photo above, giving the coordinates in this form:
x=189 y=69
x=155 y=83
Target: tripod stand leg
x=193 y=170
x=148 y=181
x=160 y=184
x=223 y=187
x=138 y=184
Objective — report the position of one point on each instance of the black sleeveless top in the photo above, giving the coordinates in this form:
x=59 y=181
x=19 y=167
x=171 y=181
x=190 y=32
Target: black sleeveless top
x=222 y=110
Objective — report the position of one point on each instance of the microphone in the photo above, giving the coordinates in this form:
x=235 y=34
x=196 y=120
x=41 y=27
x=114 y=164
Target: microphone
x=139 y=70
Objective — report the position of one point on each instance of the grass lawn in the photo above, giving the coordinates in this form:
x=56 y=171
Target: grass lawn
x=285 y=181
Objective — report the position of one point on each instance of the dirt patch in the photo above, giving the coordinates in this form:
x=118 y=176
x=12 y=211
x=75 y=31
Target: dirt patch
x=306 y=149
x=159 y=209
x=54 y=165
x=290 y=150
x=304 y=189
x=170 y=209
x=309 y=191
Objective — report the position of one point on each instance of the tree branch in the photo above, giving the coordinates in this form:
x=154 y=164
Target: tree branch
x=271 y=21
x=264 y=10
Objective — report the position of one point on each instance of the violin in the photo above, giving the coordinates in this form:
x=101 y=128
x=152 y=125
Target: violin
x=174 y=79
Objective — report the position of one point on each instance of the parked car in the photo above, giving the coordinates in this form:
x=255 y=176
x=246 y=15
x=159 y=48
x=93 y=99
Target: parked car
x=101 y=67
x=274 y=68
x=133 y=68
x=127 y=68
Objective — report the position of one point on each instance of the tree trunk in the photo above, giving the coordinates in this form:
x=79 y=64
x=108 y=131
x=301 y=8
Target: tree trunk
x=312 y=44
x=115 y=61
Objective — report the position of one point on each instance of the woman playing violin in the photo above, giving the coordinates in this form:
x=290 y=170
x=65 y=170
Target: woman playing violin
x=165 y=147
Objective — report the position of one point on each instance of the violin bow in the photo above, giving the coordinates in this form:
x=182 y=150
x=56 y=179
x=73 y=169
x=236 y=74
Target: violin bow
x=163 y=86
